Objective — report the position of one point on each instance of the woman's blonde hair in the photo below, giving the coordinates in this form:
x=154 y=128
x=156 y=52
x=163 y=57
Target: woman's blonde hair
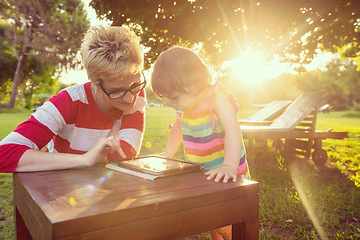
x=179 y=69
x=110 y=52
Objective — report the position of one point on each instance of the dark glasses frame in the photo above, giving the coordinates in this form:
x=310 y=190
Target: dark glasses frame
x=122 y=93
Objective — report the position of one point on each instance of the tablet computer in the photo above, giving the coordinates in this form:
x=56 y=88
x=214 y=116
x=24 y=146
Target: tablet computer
x=158 y=165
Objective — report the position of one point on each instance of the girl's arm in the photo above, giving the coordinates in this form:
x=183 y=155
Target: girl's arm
x=233 y=141
x=175 y=139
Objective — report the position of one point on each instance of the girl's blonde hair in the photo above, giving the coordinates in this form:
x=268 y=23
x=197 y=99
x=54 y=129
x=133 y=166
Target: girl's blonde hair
x=111 y=52
x=179 y=69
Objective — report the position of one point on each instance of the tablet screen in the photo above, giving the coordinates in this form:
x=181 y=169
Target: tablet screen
x=159 y=165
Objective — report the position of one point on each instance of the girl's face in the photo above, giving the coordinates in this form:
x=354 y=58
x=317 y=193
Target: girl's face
x=183 y=101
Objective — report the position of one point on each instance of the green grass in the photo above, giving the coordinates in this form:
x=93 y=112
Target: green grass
x=338 y=121
x=8 y=122
x=6 y=207
x=158 y=122
x=298 y=200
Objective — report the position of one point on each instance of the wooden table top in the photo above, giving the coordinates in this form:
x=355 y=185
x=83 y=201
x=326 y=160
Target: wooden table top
x=69 y=203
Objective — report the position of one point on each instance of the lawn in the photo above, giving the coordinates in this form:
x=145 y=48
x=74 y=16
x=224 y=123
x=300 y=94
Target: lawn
x=297 y=199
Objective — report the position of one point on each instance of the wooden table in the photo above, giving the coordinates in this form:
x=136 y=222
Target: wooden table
x=99 y=203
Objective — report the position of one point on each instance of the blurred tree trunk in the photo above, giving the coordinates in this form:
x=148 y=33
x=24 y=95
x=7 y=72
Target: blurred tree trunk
x=19 y=69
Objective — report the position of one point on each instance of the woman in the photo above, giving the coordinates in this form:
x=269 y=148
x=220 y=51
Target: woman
x=87 y=123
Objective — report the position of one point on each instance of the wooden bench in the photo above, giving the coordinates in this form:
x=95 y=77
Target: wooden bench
x=266 y=115
x=296 y=127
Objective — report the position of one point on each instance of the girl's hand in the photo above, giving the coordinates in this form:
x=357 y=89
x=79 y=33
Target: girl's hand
x=164 y=154
x=224 y=171
x=100 y=150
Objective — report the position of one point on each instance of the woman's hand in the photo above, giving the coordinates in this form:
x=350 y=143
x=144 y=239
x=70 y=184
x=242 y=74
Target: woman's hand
x=101 y=149
x=227 y=172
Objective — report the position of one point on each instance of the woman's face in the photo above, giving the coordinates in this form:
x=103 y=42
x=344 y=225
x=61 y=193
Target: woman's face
x=123 y=92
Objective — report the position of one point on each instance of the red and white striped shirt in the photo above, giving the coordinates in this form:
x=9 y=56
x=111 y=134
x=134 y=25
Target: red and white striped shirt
x=70 y=122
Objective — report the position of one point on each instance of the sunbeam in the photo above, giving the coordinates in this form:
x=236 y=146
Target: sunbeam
x=306 y=203
x=230 y=28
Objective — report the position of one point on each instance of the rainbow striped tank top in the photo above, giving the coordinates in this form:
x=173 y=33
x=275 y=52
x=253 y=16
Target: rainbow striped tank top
x=203 y=136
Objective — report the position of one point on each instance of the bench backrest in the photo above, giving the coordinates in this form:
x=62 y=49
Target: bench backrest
x=299 y=109
x=270 y=111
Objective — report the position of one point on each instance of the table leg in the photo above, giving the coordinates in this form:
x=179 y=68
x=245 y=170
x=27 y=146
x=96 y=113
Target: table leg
x=238 y=231
x=245 y=231
x=248 y=229
x=21 y=231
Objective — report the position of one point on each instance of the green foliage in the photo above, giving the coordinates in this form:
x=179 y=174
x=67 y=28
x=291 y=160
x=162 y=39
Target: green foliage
x=230 y=27
x=356 y=107
x=36 y=77
x=43 y=36
x=352 y=114
x=7 y=57
x=281 y=88
x=54 y=28
x=340 y=78
x=5 y=89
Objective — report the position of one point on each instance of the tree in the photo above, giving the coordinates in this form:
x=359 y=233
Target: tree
x=49 y=30
x=291 y=29
x=339 y=77
x=41 y=80
x=7 y=57
x=35 y=77
x=343 y=82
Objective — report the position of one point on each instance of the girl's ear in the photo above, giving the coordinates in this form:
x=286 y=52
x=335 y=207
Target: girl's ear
x=194 y=90
x=190 y=89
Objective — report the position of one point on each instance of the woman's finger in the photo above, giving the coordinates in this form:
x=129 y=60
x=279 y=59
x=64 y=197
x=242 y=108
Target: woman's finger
x=121 y=152
x=113 y=143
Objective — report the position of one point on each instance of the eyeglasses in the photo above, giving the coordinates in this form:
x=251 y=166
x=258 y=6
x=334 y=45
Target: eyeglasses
x=121 y=93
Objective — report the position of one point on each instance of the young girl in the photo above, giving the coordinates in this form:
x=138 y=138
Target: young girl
x=206 y=115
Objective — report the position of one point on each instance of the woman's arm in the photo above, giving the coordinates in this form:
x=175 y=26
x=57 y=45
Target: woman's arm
x=35 y=160
x=233 y=141
x=131 y=130
x=20 y=150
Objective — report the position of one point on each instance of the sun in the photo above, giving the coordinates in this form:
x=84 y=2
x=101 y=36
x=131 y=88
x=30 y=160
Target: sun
x=253 y=68
x=248 y=67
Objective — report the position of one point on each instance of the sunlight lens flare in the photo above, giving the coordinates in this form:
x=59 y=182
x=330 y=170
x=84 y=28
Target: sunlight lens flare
x=106 y=176
x=305 y=201
x=83 y=194
x=72 y=201
x=249 y=67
